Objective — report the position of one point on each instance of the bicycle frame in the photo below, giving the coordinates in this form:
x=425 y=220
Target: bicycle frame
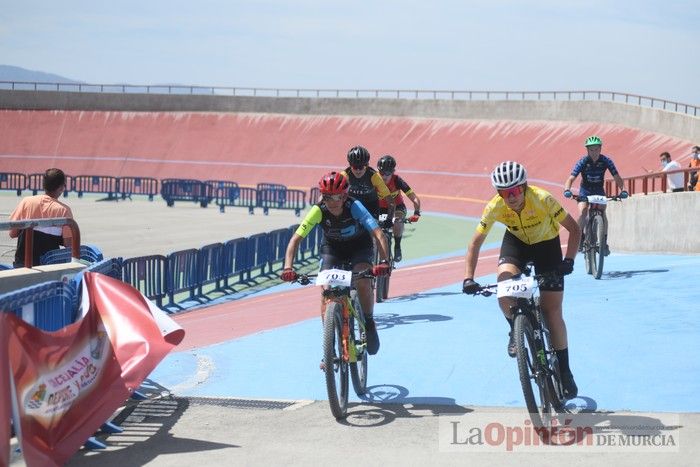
x=344 y=336
x=343 y=296
x=531 y=330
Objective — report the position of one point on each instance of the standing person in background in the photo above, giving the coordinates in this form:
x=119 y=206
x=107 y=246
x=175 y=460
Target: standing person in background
x=592 y=168
x=695 y=163
x=386 y=166
x=44 y=206
x=674 y=181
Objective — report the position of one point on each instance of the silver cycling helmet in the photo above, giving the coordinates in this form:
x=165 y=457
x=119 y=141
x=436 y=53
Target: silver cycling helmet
x=508 y=174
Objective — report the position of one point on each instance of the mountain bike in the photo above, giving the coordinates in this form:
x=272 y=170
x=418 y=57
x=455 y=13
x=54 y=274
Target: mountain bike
x=538 y=366
x=344 y=337
x=594 y=244
x=381 y=286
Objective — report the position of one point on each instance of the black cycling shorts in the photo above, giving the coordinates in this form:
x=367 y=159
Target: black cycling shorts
x=335 y=255
x=399 y=208
x=546 y=255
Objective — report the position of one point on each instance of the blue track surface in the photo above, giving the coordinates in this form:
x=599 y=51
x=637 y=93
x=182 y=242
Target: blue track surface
x=634 y=341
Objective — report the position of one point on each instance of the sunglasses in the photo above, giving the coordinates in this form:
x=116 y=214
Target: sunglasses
x=333 y=197
x=386 y=173
x=358 y=167
x=513 y=191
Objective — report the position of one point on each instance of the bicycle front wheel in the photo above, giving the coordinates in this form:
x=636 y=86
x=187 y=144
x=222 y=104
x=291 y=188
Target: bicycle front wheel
x=336 y=369
x=598 y=252
x=531 y=363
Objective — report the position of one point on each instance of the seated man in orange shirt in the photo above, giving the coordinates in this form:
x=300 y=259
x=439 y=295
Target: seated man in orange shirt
x=44 y=206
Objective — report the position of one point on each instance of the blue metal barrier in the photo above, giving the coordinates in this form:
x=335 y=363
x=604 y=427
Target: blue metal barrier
x=276 y=198
x=210 y=266
x=278 y=240
x=223 y=189
x=13 y=181
x=235 y=260
x=237 y=197
x=63 y=255
x=96 y=184
x=182 y=273
x=147 y=274
x=314 y=195
x=35 y=182
x=175 y=189
x=111 y=267
x=257 y=253
x=138 y=186
x=48 y=306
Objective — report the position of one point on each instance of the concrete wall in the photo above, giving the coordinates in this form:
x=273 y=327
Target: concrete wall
x=668 y=123
x=655 y=223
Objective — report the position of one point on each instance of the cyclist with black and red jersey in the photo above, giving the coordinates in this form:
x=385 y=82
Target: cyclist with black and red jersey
x=592 y=169
x=348 y=233
x=532 y=218
x=366 y=185
x=387 y=167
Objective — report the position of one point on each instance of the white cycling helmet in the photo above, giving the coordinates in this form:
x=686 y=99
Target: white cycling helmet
x=508 y=174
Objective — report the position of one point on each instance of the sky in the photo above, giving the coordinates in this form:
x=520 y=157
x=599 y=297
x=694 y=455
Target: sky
x=642 y=47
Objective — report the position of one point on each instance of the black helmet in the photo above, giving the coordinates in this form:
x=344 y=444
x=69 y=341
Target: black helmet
x=386 y=164
x=358 y=156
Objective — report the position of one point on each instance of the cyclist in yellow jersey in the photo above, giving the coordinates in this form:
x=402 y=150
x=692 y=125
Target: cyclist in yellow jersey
x=532 y=218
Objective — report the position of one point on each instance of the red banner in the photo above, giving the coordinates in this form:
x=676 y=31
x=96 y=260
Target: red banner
x=69 y=382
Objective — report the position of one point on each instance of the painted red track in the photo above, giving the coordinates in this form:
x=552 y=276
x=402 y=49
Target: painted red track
x=445 y=161
x=231 y=320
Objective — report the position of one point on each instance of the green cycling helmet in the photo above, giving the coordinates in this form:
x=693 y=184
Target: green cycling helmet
x=593 y=140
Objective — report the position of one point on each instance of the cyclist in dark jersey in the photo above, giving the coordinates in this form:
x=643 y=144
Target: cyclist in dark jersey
x=348 y=230
x=592 y=168
x=387 y=166
x=366 y=185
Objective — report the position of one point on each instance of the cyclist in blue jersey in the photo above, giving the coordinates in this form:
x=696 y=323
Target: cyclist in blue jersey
x=592 y=169
x=348 y=229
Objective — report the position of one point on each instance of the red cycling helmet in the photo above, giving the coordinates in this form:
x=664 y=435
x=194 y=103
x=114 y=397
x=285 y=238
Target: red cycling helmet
x=333 y=183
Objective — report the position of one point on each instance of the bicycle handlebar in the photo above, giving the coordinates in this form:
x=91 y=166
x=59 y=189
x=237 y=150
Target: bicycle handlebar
x=578 y=198
x=490 y=289
x=305 y=279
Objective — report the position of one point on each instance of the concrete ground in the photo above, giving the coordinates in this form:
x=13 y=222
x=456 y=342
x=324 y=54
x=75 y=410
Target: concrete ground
x=140 y=227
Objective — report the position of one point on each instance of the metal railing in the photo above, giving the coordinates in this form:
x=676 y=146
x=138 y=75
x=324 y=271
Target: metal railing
x=29 y=225
x=655 y=182
x=410 y=94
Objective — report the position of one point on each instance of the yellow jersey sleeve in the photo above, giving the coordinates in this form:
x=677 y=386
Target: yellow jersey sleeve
x=312 y=218
x=380 y=186
x=489 y=216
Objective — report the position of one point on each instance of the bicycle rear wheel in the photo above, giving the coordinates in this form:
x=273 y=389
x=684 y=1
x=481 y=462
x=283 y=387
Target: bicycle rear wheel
x=597 y=246
x=532 y=375
x=358 y=368
x=336 y=369
x=587 y=250
x=380 y=285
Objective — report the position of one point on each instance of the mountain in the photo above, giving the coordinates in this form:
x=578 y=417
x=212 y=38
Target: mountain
x=15 y=73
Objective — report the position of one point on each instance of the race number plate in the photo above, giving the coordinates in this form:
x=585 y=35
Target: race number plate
x=523 y=287
x=597 y=199
x=334 y=278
